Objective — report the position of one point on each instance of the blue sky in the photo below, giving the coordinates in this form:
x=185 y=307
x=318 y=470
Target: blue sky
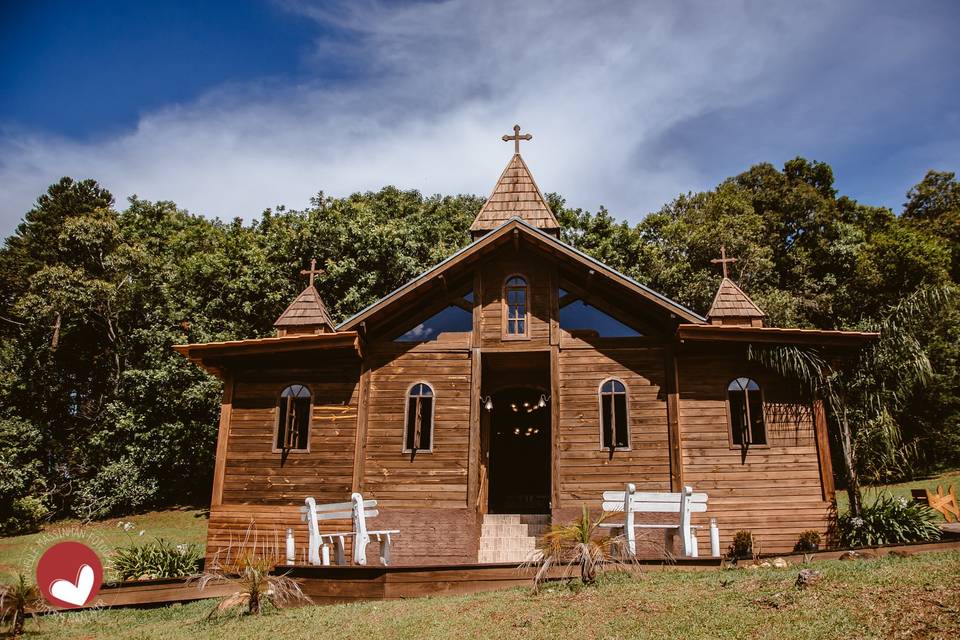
x=230 y=107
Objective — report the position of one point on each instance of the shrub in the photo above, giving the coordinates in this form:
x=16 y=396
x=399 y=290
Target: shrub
x=742 y=546
x=157 y=559
x=808 y=542
x=119 y=488
x=889 y=520
x=22 y=488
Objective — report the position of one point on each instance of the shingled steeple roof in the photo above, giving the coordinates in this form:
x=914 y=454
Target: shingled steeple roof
x=307 y=313
x=517 y=195
x=732 y=306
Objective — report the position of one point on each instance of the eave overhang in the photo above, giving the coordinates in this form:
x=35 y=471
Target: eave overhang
x=215 y=356
x=773 y=335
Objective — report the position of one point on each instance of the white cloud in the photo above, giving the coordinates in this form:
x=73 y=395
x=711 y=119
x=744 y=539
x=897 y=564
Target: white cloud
x=606 y=89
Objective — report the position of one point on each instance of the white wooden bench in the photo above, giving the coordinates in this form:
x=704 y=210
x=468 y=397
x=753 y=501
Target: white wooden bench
x=684 y=504
x=358 y=510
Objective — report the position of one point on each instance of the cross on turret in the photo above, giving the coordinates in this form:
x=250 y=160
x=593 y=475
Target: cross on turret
x=312 y=271
x=516 y=137
x=723 y=260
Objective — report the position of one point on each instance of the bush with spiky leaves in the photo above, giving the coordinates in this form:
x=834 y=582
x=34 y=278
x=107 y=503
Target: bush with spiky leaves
x=889 y=520
x=14 y=600
x=157 y=559
x=577 y=547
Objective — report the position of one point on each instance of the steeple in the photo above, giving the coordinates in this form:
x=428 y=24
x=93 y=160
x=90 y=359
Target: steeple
x=515 y=195
x=731 y=305
x=307 y=313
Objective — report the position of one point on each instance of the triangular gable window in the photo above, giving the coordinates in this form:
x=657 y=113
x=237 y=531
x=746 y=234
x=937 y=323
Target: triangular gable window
x=579 y=317
x=453 y=319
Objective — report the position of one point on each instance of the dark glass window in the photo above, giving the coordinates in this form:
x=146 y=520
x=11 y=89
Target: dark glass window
x=746 y=412
x=419 y=422
x=293 y=429
x=515 y=297
x=578 y=316
x=453 y=319
x=613 y=415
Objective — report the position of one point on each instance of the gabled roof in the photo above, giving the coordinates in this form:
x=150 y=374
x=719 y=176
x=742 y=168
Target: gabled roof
x=515 y=195
x=307 y=310
x=502 y=234
x=732 y=302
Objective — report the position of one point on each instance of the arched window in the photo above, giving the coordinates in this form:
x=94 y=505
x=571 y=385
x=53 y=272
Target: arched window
x=293 y=425
x=418 y=430
x=746 y=412
x=614 y=425
x=515 y=312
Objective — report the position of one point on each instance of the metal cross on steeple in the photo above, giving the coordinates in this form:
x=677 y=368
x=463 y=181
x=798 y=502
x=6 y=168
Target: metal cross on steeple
x=312 y=271
x=723 y=260
x=516 y=137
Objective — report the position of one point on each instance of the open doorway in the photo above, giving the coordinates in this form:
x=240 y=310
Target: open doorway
x=519 y=460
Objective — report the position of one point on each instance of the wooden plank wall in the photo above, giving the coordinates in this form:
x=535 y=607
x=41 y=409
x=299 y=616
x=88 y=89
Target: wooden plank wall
x=585 y=470
x=538 y=276
x=773 y=491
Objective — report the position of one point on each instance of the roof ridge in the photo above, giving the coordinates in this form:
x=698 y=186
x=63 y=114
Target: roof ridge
x=738 y=304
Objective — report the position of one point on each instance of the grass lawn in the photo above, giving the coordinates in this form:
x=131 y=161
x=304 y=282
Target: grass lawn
x=914 y=597
x=903 y=489
x=176 y=525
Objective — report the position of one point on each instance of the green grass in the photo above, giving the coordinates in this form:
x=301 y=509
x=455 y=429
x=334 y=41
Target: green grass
x=902 y=489
x=915 y=597
x=176 y=525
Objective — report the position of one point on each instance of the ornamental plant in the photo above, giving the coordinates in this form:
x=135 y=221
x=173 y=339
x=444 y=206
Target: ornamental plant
x=808 y=542
x=889 y=520
x=742 y=547
x=156 y=559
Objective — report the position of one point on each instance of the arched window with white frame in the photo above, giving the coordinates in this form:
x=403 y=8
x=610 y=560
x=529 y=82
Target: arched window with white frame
x=293 y=422
x=516 y=307
x=614 y=418
x=418 y=425
x=745 y=404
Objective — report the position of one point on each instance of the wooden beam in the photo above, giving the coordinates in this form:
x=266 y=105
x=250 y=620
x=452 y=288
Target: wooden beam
x=672 y=387
x=360 y=444
x=473 y=459
x=223 y=435
x=555 y=426
x=477 y=308
x=554 y=307
x=516 y=240
x=823 y=450
x=567 y=299
x=462 y=303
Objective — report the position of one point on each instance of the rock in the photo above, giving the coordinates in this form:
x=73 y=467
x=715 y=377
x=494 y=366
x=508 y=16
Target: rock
x=766 y=563
x=808 y=578
x=780 y=563
x=858 y=555
x=900 y=553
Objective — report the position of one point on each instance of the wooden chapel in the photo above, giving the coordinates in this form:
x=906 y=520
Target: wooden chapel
x=513 y=383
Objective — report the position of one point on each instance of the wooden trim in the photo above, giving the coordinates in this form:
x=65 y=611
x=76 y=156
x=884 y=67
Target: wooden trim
x=476 y=338
x=276 y=421
x=406 y=414
x=360 y=443
x=672 y=380
x=554 y=337
x=555 y=426
x=823 y=450
x=735 y=333
x=620 y=315
x=223 y=435
x=505 y=308
x=613 y=434
x=473 y=455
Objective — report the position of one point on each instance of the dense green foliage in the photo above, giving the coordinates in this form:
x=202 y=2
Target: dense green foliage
x=99 y=416
x=156 y=559
x=889 y=520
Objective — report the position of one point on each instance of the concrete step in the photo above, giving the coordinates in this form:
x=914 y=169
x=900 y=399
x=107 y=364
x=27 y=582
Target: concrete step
x=506 y=544
x=487 y=556
x=516 y=518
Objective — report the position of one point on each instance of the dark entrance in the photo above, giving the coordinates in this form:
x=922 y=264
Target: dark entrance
x=520 y=451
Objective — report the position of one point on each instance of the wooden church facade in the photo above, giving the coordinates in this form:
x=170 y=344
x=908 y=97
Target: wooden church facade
x=518 y=376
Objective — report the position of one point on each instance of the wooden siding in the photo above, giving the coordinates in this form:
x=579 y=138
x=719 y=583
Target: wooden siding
x=585 y=470
x=773 y=491
x=426 y=479
x=539 y=282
